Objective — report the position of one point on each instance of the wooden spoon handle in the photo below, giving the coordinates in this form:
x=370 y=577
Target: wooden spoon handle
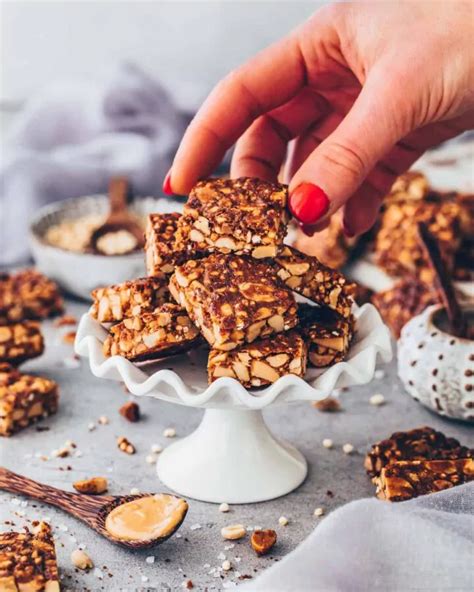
x=80 y=506
x=118 y=193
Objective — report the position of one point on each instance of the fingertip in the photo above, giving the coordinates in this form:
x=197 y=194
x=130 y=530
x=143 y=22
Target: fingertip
x=167 y=189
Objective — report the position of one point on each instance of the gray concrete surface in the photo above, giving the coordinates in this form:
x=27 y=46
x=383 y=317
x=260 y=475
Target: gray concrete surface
x=334 y=478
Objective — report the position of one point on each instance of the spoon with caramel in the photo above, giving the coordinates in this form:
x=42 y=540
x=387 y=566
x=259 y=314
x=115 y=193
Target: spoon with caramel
x=133 y=521
x=120 y=233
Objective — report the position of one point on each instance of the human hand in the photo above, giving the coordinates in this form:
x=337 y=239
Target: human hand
x=348 y=101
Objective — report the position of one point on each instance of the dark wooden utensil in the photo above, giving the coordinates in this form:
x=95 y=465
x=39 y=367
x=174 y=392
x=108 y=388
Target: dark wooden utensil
x=442 y=280
x=90 y=509
x=119 y=217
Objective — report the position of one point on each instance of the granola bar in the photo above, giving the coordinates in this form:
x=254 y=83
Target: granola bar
x=411 y=186
x=261 y=363
x=307 y=276
x=20 y=342
x=28 y=294
x=28 y=561
x=240 y=216
x=408 y=479
x=330 y=246
x=121 y=301
x=160 y=249
x=420 y=443
x=8 y=373
x=327 y=334
x=397 y=248
x=23 y=399
x=406 y=299
x=233 y=300
x=166 y=331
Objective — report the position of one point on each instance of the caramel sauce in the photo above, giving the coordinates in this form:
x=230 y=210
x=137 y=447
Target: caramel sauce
x=147 y=518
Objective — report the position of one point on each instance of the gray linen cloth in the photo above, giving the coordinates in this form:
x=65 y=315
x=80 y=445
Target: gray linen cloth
x=425 y=544
x=73 y=136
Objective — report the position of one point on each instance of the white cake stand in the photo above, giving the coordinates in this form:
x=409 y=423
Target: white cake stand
x=232 y=456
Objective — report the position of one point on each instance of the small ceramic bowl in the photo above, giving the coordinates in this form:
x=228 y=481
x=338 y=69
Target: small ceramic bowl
x=436 y=368
x=80 y=273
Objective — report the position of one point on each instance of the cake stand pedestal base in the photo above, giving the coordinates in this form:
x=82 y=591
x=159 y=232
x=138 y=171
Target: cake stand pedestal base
x=231 y=457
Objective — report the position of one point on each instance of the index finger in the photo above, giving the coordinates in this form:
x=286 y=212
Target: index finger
x=268 y=80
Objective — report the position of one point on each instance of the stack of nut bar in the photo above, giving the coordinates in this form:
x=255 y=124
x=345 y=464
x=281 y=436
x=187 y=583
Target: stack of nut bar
x=417 y=462
x=25 y=298
x=28 y=561
x=220 y=273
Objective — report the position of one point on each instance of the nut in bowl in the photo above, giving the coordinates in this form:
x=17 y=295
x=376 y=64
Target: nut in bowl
x=59 y=235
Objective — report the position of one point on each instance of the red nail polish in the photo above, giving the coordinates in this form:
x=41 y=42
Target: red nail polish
x=167 y=184
x=308 y=203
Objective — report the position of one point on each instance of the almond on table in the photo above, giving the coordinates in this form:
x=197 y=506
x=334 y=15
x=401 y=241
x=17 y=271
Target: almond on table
x=233 y=300
x=20 y=342
x=262 y=362
x=121 y=301
x=240 y=216
x=166 y=331
x=327 y=334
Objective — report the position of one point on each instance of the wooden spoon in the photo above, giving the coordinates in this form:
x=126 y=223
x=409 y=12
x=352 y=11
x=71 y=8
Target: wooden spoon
x=442 y=280
x=90 y=509
x=119 y=218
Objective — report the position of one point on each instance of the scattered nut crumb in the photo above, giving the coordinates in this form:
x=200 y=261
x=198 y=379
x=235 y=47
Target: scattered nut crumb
x=377 y=399
x=103 y=420
x=329 y=404
x=188 y=585
x=65 y=320
x=233 y=532
x=263 y=540
x=327 y=443
x=135 y=491
x=150 y=459
x=131 y=411
x=169 y=433
x=224 y=507
x=61 y=452
x=282 y=521
x=156 y=449
x=92 y=486
x=81 y=559
x=348 y=448
x=150 y=559
x=226 y=565
x=125 y=445
x=318 y=512
x=69 y=337
x=91 y=427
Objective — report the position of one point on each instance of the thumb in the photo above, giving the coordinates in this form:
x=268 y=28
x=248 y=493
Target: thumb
x=336 y=168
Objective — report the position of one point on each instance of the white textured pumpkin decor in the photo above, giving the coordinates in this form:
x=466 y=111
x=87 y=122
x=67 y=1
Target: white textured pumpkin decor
x=436 y=368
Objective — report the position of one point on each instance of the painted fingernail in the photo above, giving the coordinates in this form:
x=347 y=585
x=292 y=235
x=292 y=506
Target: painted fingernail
x=167 y=184
x=308 y=203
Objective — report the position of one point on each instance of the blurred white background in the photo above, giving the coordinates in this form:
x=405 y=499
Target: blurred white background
x=187 y=45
